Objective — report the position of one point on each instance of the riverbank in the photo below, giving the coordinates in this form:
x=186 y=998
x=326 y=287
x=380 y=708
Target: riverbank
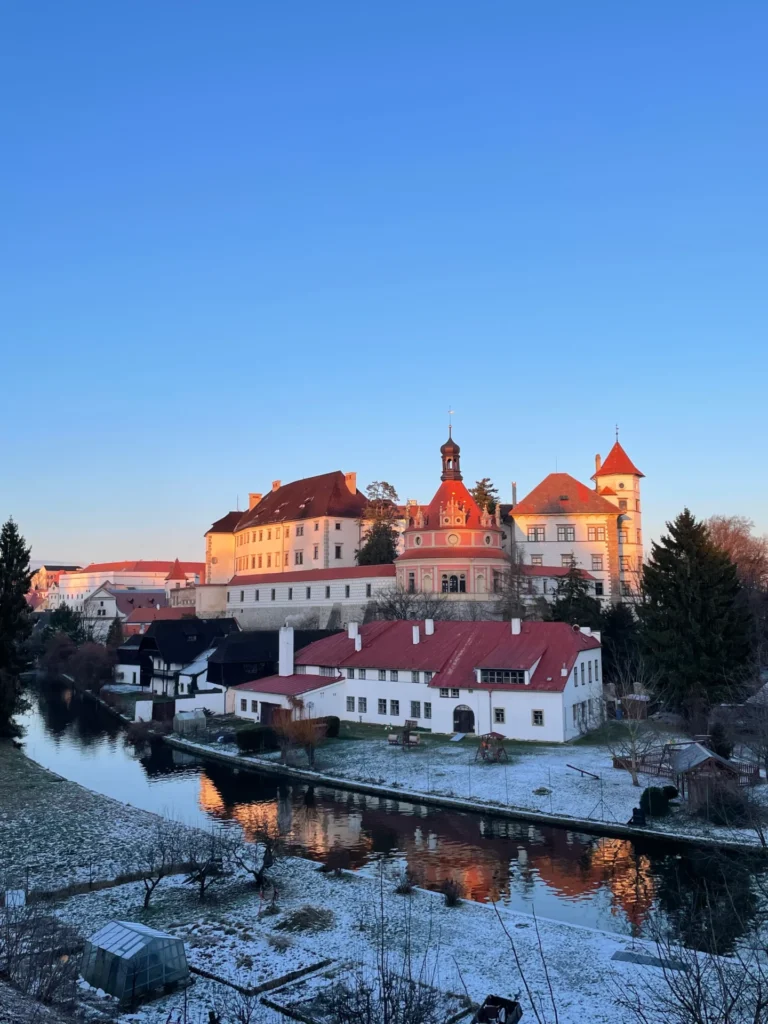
x=570 y=787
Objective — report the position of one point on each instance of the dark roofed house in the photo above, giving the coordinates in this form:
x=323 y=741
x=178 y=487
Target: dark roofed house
x=173 y=644
x=253 y=654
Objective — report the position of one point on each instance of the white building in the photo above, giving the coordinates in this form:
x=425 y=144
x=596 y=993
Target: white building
x=109 y=602
x=73 y=588
x=524 y=680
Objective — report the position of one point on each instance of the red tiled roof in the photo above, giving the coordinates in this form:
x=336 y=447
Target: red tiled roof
x=606 y=490
x=226 y=524
x=153 y=614
x=127 y=600
x=176 y=573
x=287 y=686
x=141 y=566
x=454 y=490
x=450 y=552
x=617 y=461
x=310 y=498
x=457 y=648
x=560 y=494
x=352 y=572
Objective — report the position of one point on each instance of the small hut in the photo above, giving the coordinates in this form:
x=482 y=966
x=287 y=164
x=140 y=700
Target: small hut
x=696 y=769
x=133 y=962
x=190 y=723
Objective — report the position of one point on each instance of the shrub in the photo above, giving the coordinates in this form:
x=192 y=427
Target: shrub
x=725 y=806
x=719 y=740
x=332 y=724
x=407 y=882
x=257 y=739
x=452 y=891
x=654 y=802
x=670 y=792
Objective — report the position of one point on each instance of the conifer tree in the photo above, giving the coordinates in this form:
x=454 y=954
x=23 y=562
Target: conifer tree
x=573 y=602
x=485 y=494
x=381 y=512
x=696 y=629
x=15 y=621
x=115 y=634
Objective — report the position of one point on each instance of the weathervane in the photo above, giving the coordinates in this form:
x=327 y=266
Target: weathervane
x=450 y=422
x=617 y=431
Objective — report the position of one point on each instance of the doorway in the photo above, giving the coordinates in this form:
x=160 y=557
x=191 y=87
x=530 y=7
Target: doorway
x=463 y=719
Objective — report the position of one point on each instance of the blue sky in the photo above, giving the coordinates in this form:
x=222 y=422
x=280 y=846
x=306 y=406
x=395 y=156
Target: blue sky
x=246 y=241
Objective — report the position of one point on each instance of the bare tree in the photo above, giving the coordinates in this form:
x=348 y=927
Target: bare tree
x=161 y=856
x=632 y=737
x=257 y=857
x=208 y=858
x=35 y=953
x=733 y=534
x=399 y=603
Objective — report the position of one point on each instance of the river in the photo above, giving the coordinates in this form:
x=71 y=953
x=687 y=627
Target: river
x=574 y=877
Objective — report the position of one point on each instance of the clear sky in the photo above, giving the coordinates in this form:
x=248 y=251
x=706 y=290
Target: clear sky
x=244 y=241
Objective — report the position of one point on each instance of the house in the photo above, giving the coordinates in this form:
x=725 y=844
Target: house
x=73 y=588
x=43 y=581
x=242 y=656
x=525 y=680
x=109 y=602
x=140 y=619
x=220 y=549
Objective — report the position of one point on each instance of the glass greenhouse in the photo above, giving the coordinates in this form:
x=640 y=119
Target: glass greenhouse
x=131 y=961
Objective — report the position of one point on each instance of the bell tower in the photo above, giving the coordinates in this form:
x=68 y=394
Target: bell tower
x=450 y=454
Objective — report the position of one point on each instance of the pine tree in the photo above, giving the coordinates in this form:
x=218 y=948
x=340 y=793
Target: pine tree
x=485 y=494
x=15 y=621
x=115 y=634
x=573 y=602
x=696 y=629
x=66 y=620
x=380 y=516
x=620 y=639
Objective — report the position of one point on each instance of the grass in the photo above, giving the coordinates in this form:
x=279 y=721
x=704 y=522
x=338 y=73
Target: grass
x=307 y=919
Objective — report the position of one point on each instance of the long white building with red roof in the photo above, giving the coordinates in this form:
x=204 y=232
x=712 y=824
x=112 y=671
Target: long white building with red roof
x=523 y=680
x=74 y=588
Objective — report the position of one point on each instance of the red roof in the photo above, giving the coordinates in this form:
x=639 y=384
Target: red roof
x=454 y=490
x=176 y=573
x=140 y=566
x=153 y=614
x=287 y=686
x=226 y=524
x=353 y=572
x=310 y=498
x=456 y=649
x=617 y=461
x=560 y=494
x=458 y=552
x=606 y=490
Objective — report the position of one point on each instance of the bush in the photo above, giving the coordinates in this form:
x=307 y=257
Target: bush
x=719 y=740
x=257 y=739
x=407 y=882
x=654 y=801
x=725 y=806
x=452 y=891
x=332 y=724
x=670 y=792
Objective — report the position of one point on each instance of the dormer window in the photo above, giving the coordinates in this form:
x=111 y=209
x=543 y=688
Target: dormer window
x=504 y=676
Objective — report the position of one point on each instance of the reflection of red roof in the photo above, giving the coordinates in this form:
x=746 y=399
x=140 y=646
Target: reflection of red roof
x=226 y=524
x=456 y=649
x=353 y=572
x=617 y=461
x=134 y=566
x=459 y=552
x=560 y=494
x=311 y=498
x=153 y=614
x=287 y=686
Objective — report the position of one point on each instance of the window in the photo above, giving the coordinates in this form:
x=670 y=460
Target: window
x=269 y=561
x=362 y=705
x=498 y=716
x=582 y=673
x=350 y=703
x=443 y=691
x=589 y=671
x=260 y=558
x=537 y=560
x=327 y=670
x=536 y=533
x=454 y=691
x=595 y=533
x=327 y=592
x=575 y=712
x=269 y=535
x=317 y=527
x=597 y=562
x=254 y=706
x=298 y=558
x=537 y=718
x=253 y=564
x=427 y=709
x=414 y=677
x=625 y=563
x=393 y=675
x=299 y=531
x=623 y=536
x=367 y=589
x=242 y=595
x=308 y=593
x=361 y=673
x=382 y=707
x=316 y=552
x=599 y=589
x=597 y=670
x=272 y=597
x=567 y=561
x=337 y=526
x=290 y=593
x=382 y=674
x=415 y=709
x=623 y=503
x=346 y=590
x=626 y=590
x=277 y=532
x=394 y=708
x=285 y=560
x=350 y=673
x=639 y=536
x=411 y=582
x=506 y=675
x=428 y=677
x=337 y=551
x=566 y=533
x=256 y=595
x=287 y=531
x=243 y=705
x=261 y=534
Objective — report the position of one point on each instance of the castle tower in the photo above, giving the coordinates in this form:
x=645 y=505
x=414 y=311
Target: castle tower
x=450 y=454
x=618 y=481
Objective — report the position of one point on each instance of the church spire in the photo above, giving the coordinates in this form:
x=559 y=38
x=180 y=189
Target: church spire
x=450 y=454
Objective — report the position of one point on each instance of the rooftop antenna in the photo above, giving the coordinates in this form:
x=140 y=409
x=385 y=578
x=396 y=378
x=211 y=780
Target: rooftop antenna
x=450 y=421
x=617 y=431
x=238 y=503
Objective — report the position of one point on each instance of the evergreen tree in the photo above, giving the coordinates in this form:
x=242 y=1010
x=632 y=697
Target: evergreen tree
x=65 y=620
x=381 y=513
x=620 y=638
x=573 y=602
x=115 y=634
x=695 y=626
x=15 y=621
x=485 y=494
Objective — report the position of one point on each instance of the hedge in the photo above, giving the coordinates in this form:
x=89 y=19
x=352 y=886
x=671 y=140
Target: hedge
x=257 y=739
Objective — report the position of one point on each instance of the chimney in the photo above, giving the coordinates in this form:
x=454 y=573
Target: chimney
x=350 y=479
x=598 y=464
x=285 y=651
x=564 y=671
x=415 y=634
x=514 y=492
x=352 y=630
x=358 y=642
x=517 y=627
x=429 y=627
x=586 y=630
x=275 y=485
x=253 y=500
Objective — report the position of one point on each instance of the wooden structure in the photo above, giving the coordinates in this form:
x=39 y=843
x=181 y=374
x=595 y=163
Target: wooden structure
x=491 y=748
x=407 y=738
x=685 y=762
x=498 y=1010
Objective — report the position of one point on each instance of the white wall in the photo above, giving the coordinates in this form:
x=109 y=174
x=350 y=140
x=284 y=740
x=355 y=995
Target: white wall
x=214 y=702
x=271 y=544
x=249 y=608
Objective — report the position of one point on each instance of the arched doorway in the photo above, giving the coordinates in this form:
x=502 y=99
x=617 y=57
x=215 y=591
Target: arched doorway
x=463 y=719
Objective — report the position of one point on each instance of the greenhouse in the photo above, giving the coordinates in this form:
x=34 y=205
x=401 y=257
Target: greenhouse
x=132 y=962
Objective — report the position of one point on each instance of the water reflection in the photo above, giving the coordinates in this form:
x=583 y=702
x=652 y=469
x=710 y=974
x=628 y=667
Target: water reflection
x=570 y=876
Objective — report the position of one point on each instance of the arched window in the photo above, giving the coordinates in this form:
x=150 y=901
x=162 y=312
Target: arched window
x=453 y=585
x=444 y=586
x=462 y=584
